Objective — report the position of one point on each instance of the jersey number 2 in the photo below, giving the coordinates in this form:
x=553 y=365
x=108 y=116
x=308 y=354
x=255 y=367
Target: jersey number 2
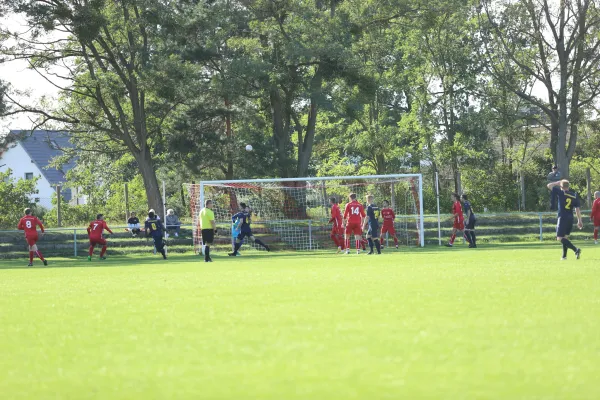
x=568 y=205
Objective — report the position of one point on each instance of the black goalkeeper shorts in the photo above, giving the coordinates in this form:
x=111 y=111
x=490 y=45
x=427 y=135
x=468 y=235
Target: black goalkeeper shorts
x=208 y=236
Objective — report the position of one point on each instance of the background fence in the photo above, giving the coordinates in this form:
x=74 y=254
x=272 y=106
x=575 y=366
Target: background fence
x=491 y=228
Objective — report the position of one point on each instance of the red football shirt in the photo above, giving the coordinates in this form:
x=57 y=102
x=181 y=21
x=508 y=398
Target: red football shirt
x=354 y=212
x=336 y=216
x=457 y=209
x=596 y=210
x=96 y=228
x=29 y=224
x=388 y=216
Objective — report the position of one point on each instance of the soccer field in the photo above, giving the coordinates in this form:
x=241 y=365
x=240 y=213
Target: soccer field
x=507 y=322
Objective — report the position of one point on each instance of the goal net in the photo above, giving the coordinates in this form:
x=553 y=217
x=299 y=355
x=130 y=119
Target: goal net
x=294 y=213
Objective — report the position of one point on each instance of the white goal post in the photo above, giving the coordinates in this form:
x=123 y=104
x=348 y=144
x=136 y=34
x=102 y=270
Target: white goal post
x=294 y=213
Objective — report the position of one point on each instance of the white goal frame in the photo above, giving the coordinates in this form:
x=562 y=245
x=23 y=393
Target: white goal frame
x=420 y=217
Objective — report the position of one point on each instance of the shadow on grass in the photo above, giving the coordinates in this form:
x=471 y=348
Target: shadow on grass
x=221 y=256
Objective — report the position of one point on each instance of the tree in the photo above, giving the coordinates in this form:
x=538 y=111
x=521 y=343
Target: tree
x=290 y=70
x=448 y=47
x=555 y=45
x=119 y=85
x=15 y=195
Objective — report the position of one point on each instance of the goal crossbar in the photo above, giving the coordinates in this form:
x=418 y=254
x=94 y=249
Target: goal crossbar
x=308 y=179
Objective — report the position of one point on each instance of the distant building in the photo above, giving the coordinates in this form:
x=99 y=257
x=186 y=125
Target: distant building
x=29 y=154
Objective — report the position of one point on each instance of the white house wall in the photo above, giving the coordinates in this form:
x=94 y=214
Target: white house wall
x=17 y=159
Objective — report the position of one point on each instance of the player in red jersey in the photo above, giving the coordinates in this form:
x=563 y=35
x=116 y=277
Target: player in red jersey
x=337 y=232
x=388 y=216
x=95 y=231
x=459 y=219
x=29 y=224
x=595 y=216
x=354 y=215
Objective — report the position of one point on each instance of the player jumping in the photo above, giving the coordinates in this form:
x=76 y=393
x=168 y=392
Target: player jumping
x=567 y=201
x=470 y=225
x=29 y=224
x=595 y=216
x=154 y=227
x=459 y=221
x=388 y=222
x=95 y=230
x=373 y=221
x=244 y=219
x=354 y=215
x=337 y=231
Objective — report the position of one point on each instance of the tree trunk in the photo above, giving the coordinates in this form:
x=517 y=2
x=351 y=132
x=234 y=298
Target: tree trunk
x=148 y=172
x=306 y=145
x=229 y=134
x=280 y=133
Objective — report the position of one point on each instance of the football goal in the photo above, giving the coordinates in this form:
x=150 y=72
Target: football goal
x=293 y=213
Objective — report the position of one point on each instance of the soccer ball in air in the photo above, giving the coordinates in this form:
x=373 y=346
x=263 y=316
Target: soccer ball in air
x=248 y=147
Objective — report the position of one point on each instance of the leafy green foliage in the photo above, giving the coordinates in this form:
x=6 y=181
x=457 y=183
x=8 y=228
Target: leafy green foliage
x=15 y=195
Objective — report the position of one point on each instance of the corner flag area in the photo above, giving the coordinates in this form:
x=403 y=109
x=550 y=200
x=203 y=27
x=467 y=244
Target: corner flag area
x=502 y=322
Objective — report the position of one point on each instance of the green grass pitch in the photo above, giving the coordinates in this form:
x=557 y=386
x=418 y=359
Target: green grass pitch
x=504 y=322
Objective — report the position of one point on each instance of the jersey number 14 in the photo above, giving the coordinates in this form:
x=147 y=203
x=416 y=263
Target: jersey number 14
x=354 y=210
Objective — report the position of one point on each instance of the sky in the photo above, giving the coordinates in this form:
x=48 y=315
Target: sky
x=22 y=79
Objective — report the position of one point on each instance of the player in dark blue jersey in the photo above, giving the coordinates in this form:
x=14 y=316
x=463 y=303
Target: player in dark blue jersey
x=372 y=221
x=155 y=228
x=470 y=220
x=242 y=221
x=568 y=201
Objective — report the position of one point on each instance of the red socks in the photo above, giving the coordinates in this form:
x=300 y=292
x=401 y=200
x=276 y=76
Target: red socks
x=452 y=238
x=37 y=252
x=338 y=241
x=91 y=251
x=595 y=233
x=395 y=241
x=347 y=244
x=358 y=244
x=103 y=251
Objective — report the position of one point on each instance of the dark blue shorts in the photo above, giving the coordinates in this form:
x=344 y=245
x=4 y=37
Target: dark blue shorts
x=158 y=241
x=244 y=234
x=564 y=226
x=470 y=225
x=373 y=231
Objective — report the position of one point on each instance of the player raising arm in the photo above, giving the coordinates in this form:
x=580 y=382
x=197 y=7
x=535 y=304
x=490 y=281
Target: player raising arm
x=29 y=224
x=337 y=231
x=388 y=222
x=95 y=231
x=354 y=215
x=595 y=216
x=154 y=227
x=568 y=201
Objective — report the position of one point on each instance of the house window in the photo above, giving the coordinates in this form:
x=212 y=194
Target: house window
x=29 y=175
